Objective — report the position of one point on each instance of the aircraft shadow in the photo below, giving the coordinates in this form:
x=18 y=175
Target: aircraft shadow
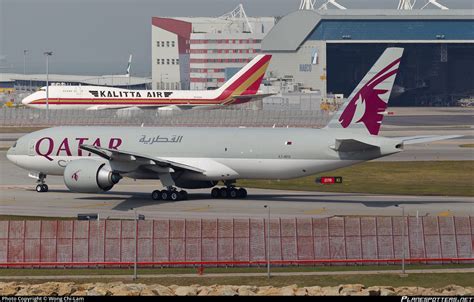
x=127 y=200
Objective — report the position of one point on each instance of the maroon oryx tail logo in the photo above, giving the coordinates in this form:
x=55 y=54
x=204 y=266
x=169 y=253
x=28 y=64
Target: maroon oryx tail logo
x=75 y=175
x=369 y=97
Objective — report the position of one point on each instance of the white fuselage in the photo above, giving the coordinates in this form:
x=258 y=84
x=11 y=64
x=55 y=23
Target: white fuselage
x=224 y=153
x=98 y=97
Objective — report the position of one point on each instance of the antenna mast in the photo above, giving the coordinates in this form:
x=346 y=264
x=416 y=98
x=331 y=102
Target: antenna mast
x=435 y=3
x=307 y=5
x=333 y=2
x=406 y=4
x=238 y=14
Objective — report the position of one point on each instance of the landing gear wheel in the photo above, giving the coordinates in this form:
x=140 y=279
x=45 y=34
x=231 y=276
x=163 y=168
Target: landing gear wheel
x=175 y=196
x=223 y=193
x=232 y=193
x=165 y=195
x=156 y=195
x=44 y=188
x=184 y=194
x=242 y=193
x=39 y=188
x=215 y=193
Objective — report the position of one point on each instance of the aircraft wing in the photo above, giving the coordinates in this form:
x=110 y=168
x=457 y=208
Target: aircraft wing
x=126 y=156
x=409 y=140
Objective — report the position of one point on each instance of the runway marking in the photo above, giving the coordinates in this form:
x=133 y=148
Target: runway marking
x=201 y=209
x=315 y=211
x=445 y=213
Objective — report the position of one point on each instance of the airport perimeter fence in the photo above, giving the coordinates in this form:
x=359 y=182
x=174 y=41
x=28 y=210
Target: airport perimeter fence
x=172 y=118
x=236 y=242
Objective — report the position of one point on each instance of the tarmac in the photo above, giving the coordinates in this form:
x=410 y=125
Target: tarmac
x=18 y=197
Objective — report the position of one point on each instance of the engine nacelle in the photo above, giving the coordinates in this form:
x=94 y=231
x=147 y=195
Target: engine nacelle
x=89 y=176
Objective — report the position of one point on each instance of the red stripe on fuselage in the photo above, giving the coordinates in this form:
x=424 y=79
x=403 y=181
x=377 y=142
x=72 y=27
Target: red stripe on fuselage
x=122 y=102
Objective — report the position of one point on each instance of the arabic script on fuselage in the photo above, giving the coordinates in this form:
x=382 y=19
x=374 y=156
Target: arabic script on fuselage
x=150 y=140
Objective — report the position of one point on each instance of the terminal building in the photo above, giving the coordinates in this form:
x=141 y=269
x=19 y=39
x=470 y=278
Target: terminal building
x=202 y=53
x=331 y=50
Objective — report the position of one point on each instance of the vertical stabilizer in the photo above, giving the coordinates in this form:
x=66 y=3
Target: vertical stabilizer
x=247 y=80
x=365 y=107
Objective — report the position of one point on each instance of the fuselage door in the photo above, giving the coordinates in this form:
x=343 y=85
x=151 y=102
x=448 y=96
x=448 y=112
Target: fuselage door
x=31 y=148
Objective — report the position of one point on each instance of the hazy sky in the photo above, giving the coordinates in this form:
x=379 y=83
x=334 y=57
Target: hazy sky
x=96 y=37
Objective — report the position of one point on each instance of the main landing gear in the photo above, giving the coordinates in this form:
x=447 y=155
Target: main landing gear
x=228 y=193
x=41 y=187
x=170 y=193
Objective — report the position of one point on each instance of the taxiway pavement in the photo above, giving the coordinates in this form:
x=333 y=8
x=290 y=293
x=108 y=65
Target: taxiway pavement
x=18 y=197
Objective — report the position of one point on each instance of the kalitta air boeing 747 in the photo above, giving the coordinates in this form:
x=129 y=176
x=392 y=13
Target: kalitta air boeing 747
x=241 y=88
x=94 y=159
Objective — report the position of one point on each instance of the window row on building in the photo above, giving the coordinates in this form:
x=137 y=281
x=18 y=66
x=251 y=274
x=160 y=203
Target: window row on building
x=167 y=61
x=165 y=43
x=168 y=85
x=226 y=41
x=207 y=80
x=206 y=70
x=246 y=60
x=250 y=50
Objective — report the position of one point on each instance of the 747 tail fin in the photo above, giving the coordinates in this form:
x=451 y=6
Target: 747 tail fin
x=364 y=109
x=243 y=86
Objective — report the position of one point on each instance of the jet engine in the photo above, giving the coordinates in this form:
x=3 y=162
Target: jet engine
x=89 y=176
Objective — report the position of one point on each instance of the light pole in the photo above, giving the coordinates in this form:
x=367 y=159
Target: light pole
x=136 y=246
x=268 y=241
x=25 y=52
x=403 y=238
x=47 y=54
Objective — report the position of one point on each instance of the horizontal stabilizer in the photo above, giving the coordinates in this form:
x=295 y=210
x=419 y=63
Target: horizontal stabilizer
x=352 y=145
x=410 y=140
x=253 y=96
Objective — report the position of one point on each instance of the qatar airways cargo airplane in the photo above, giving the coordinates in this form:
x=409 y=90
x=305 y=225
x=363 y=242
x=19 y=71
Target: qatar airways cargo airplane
x=94 y=159
x=241 y=88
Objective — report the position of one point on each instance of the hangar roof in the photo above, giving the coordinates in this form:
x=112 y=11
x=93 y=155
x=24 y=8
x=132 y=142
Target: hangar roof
x=293 y=29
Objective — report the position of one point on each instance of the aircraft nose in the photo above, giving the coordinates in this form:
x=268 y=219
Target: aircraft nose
x=30 y=98
x=10 y=154
x=26 y=100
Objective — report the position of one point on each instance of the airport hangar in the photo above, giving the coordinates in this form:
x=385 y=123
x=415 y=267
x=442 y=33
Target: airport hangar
x=331 y=50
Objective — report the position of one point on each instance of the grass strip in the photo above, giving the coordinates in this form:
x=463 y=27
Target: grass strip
x=443 y=178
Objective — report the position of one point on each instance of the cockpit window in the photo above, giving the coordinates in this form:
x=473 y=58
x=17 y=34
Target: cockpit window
x=14 y=145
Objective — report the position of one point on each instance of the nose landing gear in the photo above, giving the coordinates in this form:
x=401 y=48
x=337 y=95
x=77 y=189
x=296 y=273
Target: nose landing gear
x=41 y=187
